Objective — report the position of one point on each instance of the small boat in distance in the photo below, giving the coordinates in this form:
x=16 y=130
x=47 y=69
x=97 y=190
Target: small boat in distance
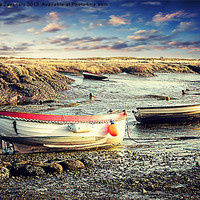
x=168 y=114
x=95 y=76
x=33 y=132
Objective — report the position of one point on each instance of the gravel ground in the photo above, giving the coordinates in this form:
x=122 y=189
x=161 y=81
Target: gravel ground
x=125 y=172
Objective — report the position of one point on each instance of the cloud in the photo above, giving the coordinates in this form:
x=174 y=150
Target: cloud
x=5 y=48
x=60 y=40
x=147 y=36
x=51 y=28
x=153 y=3
x=30 y=29
x=140 y=32
x=117 y=21
x=119 y=45
x=65 y=40
x=53 y=15
x=22 y=47
x=185 y=26
x=128 y=4
x=18 y=47
x=115 y=46
x=88 y=43
x=21 y=19
x=160 y=17
x=123 y=46
x=93 y=9
x=137 y=37
x=145 y=32
x=113 y=21
x=94 y=25
x=4 y=34
x=191 y=46
x=184 y=45
x=17 y=15
x=6 y=11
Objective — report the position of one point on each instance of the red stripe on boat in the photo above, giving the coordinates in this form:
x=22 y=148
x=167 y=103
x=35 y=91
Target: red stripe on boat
x=71 y=118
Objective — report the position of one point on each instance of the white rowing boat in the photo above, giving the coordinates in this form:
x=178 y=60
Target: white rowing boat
x=31 y=132
x=168 y=114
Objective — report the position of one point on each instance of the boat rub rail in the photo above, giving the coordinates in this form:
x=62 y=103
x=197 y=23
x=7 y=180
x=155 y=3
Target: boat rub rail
x=63 y=119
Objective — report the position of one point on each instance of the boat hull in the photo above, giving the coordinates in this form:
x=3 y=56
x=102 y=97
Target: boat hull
x=94 y=76
x=168 y=114
x=39 y=135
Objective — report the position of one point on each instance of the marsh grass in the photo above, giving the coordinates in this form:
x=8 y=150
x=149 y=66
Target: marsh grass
x=25 y=68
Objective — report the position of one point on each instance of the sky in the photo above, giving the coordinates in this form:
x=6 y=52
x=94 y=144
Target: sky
x=100 y=28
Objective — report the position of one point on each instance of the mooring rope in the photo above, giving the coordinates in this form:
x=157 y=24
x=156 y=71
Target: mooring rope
x=127 y=126
x=156 y=139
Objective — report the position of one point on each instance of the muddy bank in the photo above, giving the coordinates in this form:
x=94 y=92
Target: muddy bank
x=26 y=80
x=132 y=172
x=22 y=84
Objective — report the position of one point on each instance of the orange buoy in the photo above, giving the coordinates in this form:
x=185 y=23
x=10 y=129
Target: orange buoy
x=112 y=129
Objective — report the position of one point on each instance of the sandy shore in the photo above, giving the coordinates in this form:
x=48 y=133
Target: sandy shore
x=126 y=172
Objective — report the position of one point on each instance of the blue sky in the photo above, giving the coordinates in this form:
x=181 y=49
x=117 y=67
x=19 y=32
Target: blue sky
x=104 y=28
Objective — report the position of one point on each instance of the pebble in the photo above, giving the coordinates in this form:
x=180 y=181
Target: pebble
x=4 y=173
x=73 y=164
x=100 y=178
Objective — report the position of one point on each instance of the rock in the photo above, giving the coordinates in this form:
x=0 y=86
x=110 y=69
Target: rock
x=88 y=162
x=5 y=164
x=72 y=165
x=4 y=173
x=27 y=170
x=31 y=170
x=54 y=168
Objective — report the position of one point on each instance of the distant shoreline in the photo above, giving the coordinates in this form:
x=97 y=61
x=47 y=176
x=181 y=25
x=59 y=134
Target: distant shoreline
x=30 y=80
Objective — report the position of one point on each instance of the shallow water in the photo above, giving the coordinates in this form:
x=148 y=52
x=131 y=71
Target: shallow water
x=124 y=91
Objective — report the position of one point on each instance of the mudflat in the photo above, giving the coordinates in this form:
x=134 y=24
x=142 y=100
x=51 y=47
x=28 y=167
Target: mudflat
x=124 y=172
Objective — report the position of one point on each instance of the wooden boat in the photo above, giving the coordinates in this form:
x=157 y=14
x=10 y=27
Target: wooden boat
x=30 y=132
x=168 y=114
x=89 y=75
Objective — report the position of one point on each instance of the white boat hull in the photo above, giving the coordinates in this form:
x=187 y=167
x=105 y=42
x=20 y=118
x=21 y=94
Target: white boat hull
x=35 y=136
x=168 y=114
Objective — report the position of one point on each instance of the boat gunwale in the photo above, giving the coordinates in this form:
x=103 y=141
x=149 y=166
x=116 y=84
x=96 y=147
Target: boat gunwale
x=95 y=74
x=50 y=118
x=166 y=107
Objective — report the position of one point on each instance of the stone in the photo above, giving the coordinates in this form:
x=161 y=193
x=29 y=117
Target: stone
x=88 y=162
x=27 y=170
x=4 y=173
x=54 y=168
x=73 y=165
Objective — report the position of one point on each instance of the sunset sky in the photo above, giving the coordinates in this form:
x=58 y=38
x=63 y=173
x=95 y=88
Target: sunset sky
x=66 y=29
